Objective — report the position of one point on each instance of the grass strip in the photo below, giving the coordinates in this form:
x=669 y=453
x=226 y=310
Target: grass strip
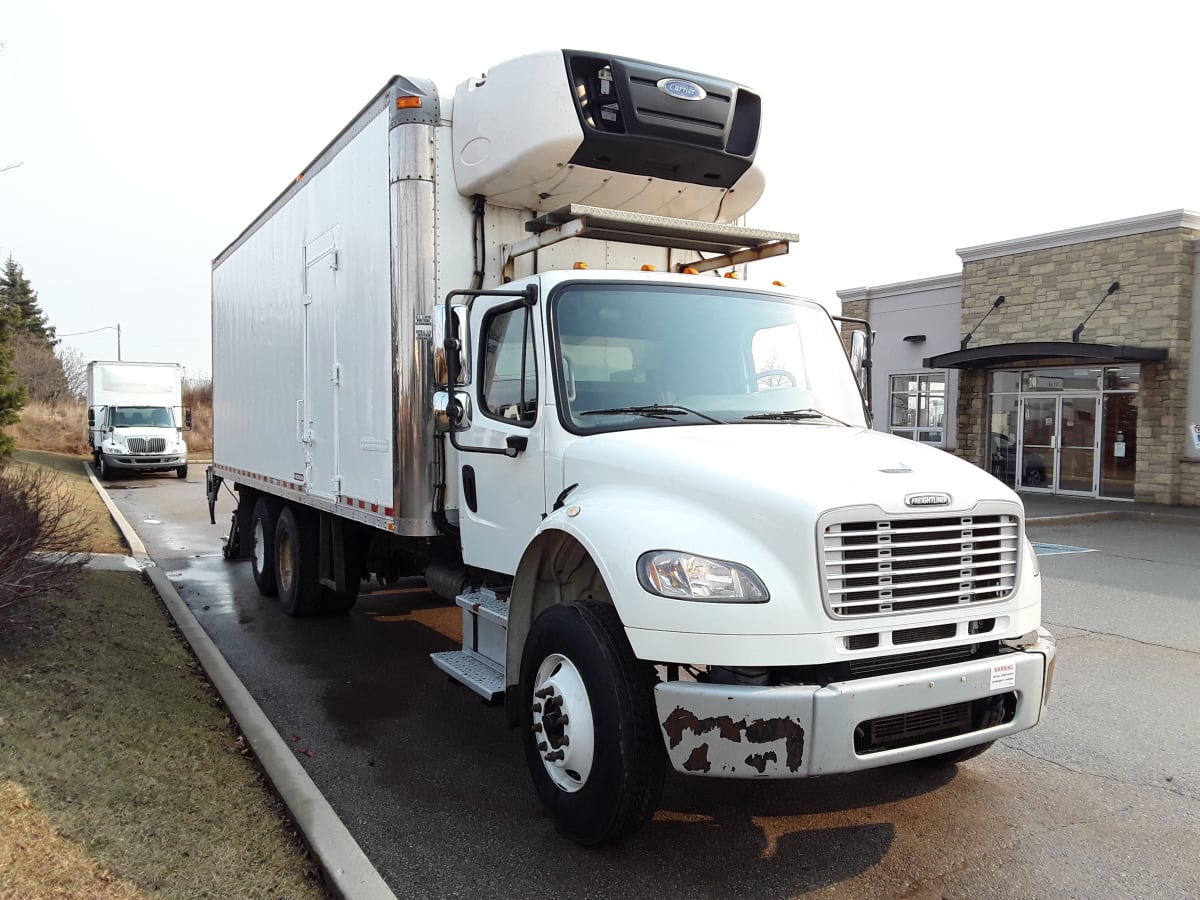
x=120 y=773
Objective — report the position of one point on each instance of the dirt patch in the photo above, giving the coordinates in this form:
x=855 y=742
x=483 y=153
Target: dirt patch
x=121 y=774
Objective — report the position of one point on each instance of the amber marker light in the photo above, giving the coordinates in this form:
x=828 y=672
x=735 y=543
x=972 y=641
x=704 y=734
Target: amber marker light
x=648 y=268
x=408 y=103
x=731 y=274
x=580 y=265
x=690 y=270
x=778 y=284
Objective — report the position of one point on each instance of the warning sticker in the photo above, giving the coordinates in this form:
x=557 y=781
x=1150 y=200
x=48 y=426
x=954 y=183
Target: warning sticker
x=1004 y=675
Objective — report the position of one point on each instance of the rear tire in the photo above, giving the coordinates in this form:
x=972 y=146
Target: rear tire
x=296 y=563
x=596 y=756
x=262 y=544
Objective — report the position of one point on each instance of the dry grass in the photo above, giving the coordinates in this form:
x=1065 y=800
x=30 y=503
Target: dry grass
x=62 y=427
x=37 y=861
x=102 y=536
x=122 y=764
x=120 y=774
x=57 y=427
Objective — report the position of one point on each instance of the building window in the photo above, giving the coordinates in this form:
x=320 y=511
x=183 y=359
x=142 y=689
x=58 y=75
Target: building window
x=918 y=407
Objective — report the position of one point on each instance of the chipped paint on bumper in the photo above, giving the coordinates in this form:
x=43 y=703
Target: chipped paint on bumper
x=796 y=731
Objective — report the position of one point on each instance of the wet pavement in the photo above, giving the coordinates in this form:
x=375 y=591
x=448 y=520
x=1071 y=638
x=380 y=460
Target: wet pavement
x=1100 y=800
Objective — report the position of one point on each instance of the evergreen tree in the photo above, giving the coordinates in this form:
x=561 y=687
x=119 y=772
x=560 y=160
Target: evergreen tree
x=17 y=294
x=12 y=395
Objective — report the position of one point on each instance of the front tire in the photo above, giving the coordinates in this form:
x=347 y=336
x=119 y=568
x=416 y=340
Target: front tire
x=296 y=563
x=107 y=473
x=591 y=733
x=181 y=471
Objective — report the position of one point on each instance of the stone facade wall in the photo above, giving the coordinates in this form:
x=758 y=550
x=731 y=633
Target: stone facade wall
x=1048 y=292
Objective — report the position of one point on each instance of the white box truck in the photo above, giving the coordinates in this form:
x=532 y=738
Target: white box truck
x=483 y=338
x=136 y=417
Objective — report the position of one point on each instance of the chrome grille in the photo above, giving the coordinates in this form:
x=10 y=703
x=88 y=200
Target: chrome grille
x=905 y=565
x=146 y=445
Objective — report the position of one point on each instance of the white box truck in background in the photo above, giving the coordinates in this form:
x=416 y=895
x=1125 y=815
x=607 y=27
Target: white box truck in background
x=136 y=417
x=483 y=338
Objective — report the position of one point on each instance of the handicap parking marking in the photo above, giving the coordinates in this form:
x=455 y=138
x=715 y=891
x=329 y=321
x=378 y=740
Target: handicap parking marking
x=1042 y=549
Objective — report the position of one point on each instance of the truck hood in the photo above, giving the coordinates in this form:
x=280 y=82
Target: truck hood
x=783 y=466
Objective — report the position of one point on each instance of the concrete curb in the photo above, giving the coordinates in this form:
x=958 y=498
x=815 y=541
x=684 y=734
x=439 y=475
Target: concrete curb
x=347 y=870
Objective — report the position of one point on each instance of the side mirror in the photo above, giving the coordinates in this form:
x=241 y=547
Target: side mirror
x=451 y=411
x=91 y=418
x=859 y=361
x=451 y=349
x=187 y=419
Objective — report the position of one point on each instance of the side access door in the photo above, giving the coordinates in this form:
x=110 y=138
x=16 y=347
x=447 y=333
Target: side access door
x=322 y=372
x=501 y=439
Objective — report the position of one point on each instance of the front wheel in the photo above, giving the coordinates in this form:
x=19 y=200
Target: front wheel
x=181 y=471
x=591 y=735
x=107 y=472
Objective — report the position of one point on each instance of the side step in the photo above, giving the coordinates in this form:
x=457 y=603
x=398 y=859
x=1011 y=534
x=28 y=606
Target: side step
x=480 y=663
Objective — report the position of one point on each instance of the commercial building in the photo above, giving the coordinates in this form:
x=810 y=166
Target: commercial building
x=1066 y=362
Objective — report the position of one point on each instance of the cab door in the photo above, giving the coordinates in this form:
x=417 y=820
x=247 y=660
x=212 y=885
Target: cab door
x=502 y=452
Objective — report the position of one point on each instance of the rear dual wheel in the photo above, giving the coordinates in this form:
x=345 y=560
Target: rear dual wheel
x=297 y=546
x=263 y=520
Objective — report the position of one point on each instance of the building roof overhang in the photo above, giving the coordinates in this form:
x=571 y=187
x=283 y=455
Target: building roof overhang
x=1042 y=353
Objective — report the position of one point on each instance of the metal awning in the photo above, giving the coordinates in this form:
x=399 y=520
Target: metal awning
x=1042 y=353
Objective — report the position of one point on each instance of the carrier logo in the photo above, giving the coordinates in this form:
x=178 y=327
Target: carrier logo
x=927 y=500
x=684 y=90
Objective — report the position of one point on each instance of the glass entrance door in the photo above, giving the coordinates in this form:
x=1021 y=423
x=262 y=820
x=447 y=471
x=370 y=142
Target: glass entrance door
x=1035 y=454
x=1058 y=450
x=1077 y=450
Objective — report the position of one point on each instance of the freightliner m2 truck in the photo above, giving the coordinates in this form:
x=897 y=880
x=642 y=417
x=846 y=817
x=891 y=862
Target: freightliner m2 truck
x=485 y=338
x=136 y=417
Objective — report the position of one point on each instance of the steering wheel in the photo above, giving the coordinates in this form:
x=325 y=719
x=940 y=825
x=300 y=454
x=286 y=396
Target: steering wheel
x=774 y=373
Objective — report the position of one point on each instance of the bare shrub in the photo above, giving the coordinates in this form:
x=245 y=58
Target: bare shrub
x=42 y=527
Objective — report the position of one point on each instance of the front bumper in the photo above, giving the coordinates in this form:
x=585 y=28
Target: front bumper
x=159 y=462
x=797 y=731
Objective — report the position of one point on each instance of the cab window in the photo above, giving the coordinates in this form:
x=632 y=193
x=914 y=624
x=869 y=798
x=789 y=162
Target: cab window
x=508 y=382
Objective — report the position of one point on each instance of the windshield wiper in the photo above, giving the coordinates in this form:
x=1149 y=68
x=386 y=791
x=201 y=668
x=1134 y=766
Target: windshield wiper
x=794 y=415
x=654 y=411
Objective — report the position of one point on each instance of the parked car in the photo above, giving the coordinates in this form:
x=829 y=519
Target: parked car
x=1004 y=463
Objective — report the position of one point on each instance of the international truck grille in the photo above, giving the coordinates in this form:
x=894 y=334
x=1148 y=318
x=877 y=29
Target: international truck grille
x=895 y=566
x=147 y=445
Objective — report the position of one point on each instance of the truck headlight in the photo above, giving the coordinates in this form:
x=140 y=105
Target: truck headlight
x=685 y=576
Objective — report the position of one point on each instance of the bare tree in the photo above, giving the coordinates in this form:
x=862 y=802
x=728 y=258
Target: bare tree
x=38 y=369
x=74 y=368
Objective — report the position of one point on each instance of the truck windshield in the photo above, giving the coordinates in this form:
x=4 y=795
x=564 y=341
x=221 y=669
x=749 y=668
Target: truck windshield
x=142 y=417
x=646 y=356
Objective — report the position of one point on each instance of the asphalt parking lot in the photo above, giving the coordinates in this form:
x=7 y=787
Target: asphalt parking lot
x=1102 y=799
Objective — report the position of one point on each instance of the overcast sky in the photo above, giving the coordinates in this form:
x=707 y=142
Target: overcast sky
x=145 y=136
